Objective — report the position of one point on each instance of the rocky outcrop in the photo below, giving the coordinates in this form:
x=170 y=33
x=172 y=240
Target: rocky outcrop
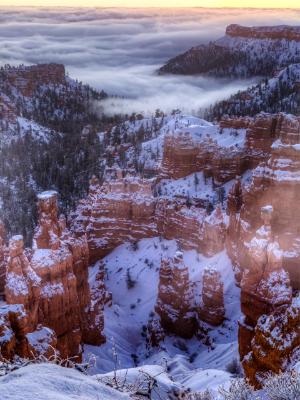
x=212 y=308
x=186 y=153
x=242 y=52
x=120 y=210
x=276 y=183
x=22 y=283
x=183 y=155
x=275 y=344
x=125 y=210
x=266 y=257
x=175 y=303
x=265 y=287
x=264 y=32
x=27 y=78
x=3 y=257
x=52 y=289
x=61 y=262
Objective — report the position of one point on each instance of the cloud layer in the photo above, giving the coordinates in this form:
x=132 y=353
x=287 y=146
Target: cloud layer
x=118 y=50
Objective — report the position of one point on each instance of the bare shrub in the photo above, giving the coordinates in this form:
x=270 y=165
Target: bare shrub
x=234 y=367
x=284 y=386
x=239 y=389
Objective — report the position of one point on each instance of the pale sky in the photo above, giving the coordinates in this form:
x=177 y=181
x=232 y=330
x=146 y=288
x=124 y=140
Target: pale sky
x=156 y=3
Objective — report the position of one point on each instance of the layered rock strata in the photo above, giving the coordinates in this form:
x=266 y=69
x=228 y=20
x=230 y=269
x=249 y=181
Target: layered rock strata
x=125 y=210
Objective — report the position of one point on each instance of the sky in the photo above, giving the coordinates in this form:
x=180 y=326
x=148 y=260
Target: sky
x=119 y=50
x=156 y=3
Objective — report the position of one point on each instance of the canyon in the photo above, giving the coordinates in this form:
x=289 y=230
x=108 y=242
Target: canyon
x=219 y=206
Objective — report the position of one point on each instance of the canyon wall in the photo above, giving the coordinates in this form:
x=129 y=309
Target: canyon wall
x=264 y=32
x=50 y=290
x=266 y=256
x=125 y=210
x=26 y=79
x=183 y=155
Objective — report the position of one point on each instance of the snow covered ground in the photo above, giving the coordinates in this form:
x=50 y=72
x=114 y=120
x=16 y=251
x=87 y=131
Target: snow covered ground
x=190 y=363
x=196 y=186
x=52 y=382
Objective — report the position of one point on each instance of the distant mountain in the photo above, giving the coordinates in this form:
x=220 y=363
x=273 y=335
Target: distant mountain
x=243 y=52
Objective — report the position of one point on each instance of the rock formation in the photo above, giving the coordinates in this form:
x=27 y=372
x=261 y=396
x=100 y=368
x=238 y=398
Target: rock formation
x=264 y=32
x=212 y=308
x=118 y=211
x=275 y=182
x=185 y=153
x=276 y=341
x=22 y=283
x=175 y=304
x=27 y=78
x=52 y=289
x=3 y=256
x=125 y=210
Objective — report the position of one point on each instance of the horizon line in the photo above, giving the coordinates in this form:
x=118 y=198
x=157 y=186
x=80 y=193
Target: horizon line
x=150 y=7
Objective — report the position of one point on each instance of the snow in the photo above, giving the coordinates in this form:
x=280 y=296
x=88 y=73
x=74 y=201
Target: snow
x=52 y=382
x=130 y=310
x=196 y=186
x=47 y=195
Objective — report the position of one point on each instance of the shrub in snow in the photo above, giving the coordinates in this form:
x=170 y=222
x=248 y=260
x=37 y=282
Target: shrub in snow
x=234 y=367
x=239 y=389
x=135 y=246
x=285 y=386
x=201 y=396
x=129 y=281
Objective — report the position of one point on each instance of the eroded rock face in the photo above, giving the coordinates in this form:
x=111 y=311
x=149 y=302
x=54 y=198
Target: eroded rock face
x=185 y=153
x=27 y=78
x=22 y=282
x=264 y=32
x=275 y=343
x=265 y=287
x=118 y=211
x=175 y=304
x=212 y=309
x=3 y=257
x=53 y=289
x=276 y=183
x=125 y=210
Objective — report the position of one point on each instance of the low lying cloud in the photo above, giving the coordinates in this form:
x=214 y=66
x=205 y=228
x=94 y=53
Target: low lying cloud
x=119 y=50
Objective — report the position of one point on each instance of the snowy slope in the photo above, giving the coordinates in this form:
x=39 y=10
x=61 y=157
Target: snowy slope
x=52 y=382
x=189 y=362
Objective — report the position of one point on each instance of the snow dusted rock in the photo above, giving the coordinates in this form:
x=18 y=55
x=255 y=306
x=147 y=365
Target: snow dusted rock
x=93 y=329
x=204 y=148
x=275 y=343
x=265 y=285
x=120 y=210
x=22 y=282
x=27 y=78
x=220 y=151
x=125 y=210
x=3 y=256
x=212 y=308
x=175 y=303
x=264 y=32
x=53 y=287
x=275 y=183
x=242 y=52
